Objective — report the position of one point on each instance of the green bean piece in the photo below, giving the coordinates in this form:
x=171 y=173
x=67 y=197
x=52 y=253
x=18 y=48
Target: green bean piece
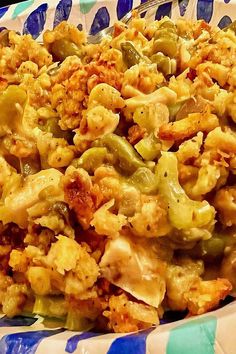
x=62 y=209
x=48 y=306
x=166 y=45
x=213 y=247
x=163 y=63
x=208 y=249
x=165 y=32
x=62 y=48
x=75 y=321
x=9 y=109
x=231 y=26
x=130 y=55
x=145 y=180
x=184 y=213
x=127 y=158
x=169 y=25
x=91 y=159
x=51 y=126
x=148 y=147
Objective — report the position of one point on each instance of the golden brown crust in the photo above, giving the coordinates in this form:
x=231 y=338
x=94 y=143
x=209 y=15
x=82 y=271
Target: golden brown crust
x=128 y=316
x=70 y=97
x=135 y=134
x=81 y=196
x=206 y=295
x=189 y=126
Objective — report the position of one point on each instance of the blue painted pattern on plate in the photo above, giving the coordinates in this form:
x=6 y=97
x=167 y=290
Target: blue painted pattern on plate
x=123 y=6
x=3 y=10
x=25 y=342
x=28 y=342
x=62 y=12
x=35 y=22
x=183 y=4
x=205 y=9
x=73 y=342
x=224 y=22
x=131 y=344
x=101 y=20
x=163 y=10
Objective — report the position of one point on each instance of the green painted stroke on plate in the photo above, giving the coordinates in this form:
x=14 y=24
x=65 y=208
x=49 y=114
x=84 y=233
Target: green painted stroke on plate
x=193 y=337
x=86 y=5
x=21 y=7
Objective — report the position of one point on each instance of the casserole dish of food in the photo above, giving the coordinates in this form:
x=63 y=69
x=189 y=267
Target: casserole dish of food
x=117 y=178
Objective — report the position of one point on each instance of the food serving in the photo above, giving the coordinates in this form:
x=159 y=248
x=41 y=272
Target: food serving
x=117 y=173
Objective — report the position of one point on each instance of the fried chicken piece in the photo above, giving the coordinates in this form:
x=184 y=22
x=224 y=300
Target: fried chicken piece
x=103 y=72
x=189 y=126
x=14 y=299
x=69 y=258
x=81 y=195
x=128 y=316
x=204 y=296
x=186 y=289
x=221 y=140
x=70 y=97
x=179 y=279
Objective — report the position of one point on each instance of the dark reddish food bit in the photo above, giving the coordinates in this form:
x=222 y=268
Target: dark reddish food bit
x=201 y=26
x=191 y=75
x=135 y=134
x=118 y=29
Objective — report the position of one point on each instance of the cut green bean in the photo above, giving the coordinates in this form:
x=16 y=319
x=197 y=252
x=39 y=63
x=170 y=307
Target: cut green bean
x=130 y=55
x=163 y=63
x=128 y=160
x=51 y=126
x=145 y=180
x=91 y=159
x=149 y=147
